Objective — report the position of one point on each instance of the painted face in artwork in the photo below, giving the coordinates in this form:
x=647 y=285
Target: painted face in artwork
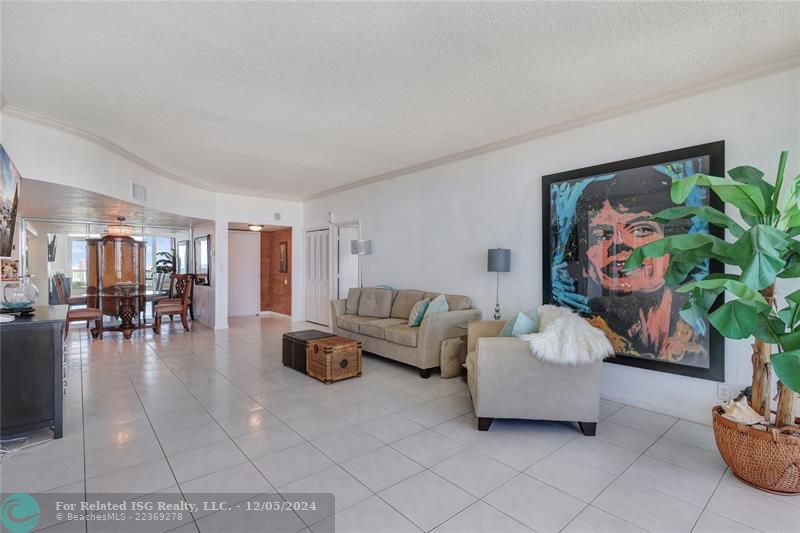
x=613 y=235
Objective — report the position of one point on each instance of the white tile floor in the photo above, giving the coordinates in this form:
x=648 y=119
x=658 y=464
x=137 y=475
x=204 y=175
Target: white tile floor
x=217 y=412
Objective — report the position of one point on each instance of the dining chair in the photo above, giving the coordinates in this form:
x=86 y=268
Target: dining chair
x=169 y=295
x=175 y=306
x=80 y=313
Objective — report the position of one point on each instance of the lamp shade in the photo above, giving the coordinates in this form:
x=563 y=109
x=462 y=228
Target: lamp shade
x=360 y=247
x=499 y=260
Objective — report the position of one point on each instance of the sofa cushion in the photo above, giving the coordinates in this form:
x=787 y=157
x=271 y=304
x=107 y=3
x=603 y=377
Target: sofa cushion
x=418 y=313
x=454 y=301
x=403 y=303
x=353 y=295
x=437 y=305
x=374 y=328
x=351 y=322
x=401 y=334
x=375 y=302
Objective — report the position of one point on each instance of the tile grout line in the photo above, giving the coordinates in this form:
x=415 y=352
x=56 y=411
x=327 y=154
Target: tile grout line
x=249 y=459
x=642 y=454
x=155 y=433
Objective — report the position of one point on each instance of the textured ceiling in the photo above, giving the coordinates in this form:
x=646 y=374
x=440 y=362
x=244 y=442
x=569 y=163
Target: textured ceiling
x=291 y=99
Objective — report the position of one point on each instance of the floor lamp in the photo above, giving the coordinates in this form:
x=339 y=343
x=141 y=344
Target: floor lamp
x=360 y=247
x=499 y=261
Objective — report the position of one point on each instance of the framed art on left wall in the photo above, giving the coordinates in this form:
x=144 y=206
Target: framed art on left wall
x=592 y=220
x=9 y=198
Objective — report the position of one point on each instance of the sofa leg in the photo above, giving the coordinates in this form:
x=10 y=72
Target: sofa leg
x=588 y=428
x=484 y=423
x=424 y=373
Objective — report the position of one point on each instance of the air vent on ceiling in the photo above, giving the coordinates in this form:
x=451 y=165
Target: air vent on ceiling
x=139 y=192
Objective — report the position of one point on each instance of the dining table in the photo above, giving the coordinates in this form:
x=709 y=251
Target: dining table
x=130 y=314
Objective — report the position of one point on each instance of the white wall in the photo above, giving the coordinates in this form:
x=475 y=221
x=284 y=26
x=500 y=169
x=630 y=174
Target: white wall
x=50 y=153
x=431 y=229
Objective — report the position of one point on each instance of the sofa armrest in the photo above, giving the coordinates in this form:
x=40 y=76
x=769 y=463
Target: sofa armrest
x=338 y=308
x=511 y=382
x=437 y=327
x=482 y=328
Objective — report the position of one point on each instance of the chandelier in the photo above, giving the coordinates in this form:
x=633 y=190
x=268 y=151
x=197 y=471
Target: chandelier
x=120 y=229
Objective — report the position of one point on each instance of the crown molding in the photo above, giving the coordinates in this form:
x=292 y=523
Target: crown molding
x=30 y=116
x=763 y=69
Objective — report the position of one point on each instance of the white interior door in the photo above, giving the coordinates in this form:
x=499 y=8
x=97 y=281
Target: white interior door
x=318 y=277
x=347 y=263
x=244 y=273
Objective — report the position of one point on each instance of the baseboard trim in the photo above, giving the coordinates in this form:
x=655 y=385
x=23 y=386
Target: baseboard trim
x=274 y=314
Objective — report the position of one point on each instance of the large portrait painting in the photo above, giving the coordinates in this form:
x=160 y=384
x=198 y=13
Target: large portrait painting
x=593 y=219
x=9 y=197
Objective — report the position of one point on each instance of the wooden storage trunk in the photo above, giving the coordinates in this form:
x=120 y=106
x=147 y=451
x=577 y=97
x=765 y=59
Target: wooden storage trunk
x=333 y=358
x=295 y=346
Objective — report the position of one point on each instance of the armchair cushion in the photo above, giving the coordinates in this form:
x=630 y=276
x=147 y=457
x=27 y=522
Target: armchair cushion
x=567 y=338
x=375 y=302
x=522 y=324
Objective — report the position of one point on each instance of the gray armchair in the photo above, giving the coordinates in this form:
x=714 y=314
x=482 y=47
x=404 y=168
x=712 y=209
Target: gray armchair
x=507 y=381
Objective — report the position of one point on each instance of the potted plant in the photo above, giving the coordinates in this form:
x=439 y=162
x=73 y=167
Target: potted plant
x=164 y=265
x=766 y=250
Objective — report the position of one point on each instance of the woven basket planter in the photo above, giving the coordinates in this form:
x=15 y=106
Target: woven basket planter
x=768 y=460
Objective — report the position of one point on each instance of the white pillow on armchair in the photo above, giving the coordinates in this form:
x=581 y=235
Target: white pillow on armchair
x=566 y=338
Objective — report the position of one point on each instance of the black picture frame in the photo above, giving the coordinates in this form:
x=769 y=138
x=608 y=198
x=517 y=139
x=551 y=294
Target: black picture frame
x=202 y=260
x=283 y=257
x=716 y=153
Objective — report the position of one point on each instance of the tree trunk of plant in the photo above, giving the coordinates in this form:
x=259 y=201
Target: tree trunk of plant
x=762 y=377
x=762 y=373
x=787 y=406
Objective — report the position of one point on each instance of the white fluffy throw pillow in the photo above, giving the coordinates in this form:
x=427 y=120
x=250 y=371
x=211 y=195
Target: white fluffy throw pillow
x=565 y=338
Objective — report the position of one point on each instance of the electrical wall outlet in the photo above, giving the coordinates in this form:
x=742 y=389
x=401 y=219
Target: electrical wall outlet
x=723 y=392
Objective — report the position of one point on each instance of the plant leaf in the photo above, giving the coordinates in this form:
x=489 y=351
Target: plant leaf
x=701 y=243
x=747 y=198
x=735 y=319
x=709 y=214
x=695 y=310
x=787 y=368
x=794 y=297
x=790 y=341
x=735 y=287
x=758 y=253
x=768 y=327
x=753 y=176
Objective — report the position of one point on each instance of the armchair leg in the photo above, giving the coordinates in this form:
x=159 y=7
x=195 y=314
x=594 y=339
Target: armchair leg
x=588 y=428
x=184 y=321
x=157 y=324
x=425 y=373
x=484 y=423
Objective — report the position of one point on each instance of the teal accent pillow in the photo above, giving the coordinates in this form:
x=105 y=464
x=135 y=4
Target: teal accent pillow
x=438 y=305
x=418 y=313
x=522 y=324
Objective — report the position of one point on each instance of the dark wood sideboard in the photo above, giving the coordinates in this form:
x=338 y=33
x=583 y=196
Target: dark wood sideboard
x=32 y=372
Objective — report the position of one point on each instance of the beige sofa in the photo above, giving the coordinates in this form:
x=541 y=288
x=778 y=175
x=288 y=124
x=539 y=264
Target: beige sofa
x=507 y=381
x=379 y=319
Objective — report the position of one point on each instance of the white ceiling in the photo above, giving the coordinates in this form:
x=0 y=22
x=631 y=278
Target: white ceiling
x=51 y=201
x=291 y=99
